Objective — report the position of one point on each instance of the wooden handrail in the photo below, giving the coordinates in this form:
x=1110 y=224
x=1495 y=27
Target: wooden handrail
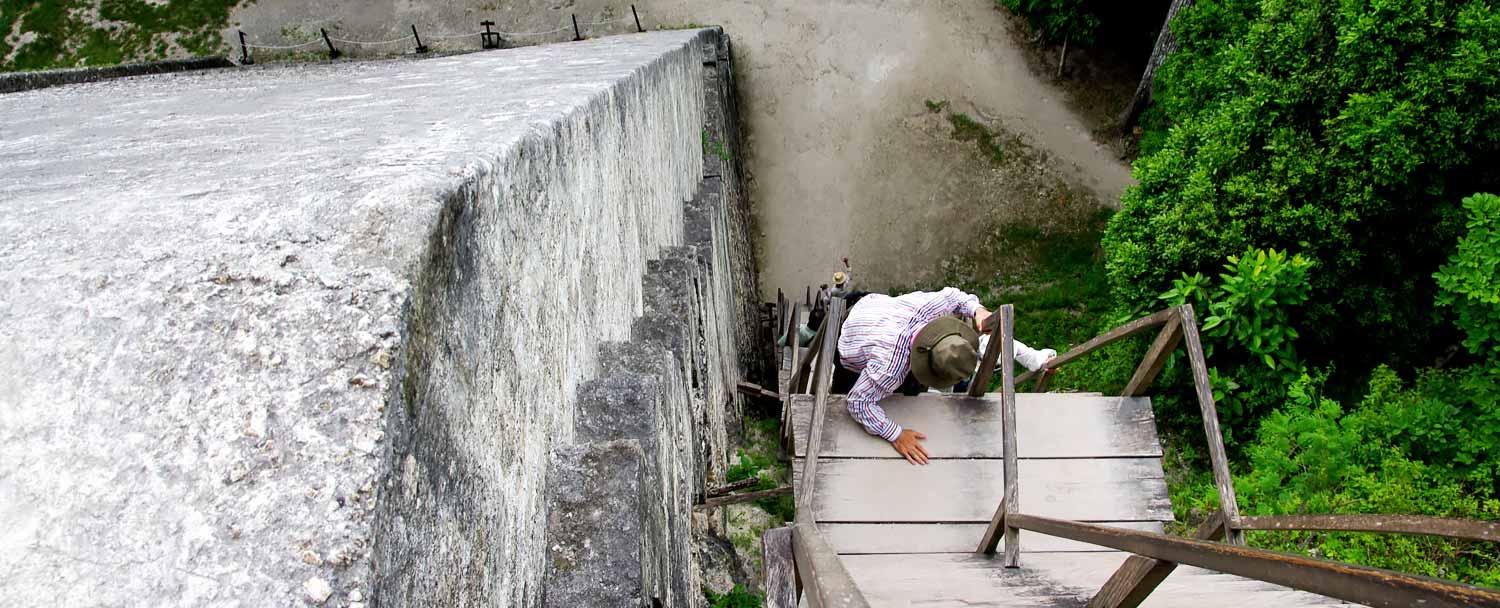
x=1102 y=340
x=1360 y=584
x=1467 y=529
x=823 y=574
x=1004 y=331
x=805 y=366
x=1134 y=581
x=1217 y=457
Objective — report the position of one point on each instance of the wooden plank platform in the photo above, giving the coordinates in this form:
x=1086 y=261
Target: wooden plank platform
x=1048 y=580
x=967 y=490
x=907 y=533
x=849 y=539
x=1047 y=425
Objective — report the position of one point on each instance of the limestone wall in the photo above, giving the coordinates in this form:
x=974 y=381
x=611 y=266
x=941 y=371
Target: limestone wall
x=274 y=333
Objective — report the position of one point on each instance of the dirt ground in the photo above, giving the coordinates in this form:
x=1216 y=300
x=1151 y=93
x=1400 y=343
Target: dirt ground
x=844 y=157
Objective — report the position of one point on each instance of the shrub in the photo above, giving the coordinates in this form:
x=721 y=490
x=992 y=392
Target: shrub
x=1329 y=128
x=1247 y=329
x=1423 y=450
x=1470 y=281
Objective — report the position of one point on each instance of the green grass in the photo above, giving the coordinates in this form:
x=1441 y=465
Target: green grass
x=64 y=39
x=738 y=597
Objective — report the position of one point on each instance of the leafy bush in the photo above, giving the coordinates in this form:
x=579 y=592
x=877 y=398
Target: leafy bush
x=1340 y=130
x=1074 y=20
x=1470 y=281
x=1425 y=450
x=1247 y=331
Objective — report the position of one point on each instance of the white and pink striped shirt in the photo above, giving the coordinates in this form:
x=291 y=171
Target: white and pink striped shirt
x=876 y=341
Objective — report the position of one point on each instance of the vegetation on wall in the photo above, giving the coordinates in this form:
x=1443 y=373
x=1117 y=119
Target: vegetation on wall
x=53 y=34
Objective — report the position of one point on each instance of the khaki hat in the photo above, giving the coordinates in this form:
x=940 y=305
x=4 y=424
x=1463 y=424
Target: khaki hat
x=945 y=352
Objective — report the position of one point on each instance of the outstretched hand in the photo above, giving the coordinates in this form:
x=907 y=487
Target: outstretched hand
x=909 y=445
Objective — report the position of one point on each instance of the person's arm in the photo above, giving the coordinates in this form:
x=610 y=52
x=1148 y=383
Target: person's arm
x=955 y=301
x=876 y=382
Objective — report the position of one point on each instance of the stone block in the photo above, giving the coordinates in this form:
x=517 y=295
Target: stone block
x=596 y=526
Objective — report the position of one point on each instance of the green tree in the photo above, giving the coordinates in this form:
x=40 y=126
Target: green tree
x=1470 y=281
x=1337 y=130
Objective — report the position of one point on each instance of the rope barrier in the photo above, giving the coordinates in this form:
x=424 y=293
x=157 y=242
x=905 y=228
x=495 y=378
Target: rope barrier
x=361 y=42
x=284 y=48
x=429 y=39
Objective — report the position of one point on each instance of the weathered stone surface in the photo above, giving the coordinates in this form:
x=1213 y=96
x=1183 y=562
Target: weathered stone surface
x=336 y=309
x=597 y=553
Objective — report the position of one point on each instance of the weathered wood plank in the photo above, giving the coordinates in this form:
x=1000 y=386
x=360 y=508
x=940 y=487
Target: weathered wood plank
x=1472 y=529
x=1048 y=580
x=947 y=538
x=1105 y=339
x=1218 y=459
x=1049 y=425
x=966 y=491
x=1156 y=357
x=781 y=576
x=1011 y=503
x=1139 y=576
x=731 y=499
x=998 y=333
x=1369 y=586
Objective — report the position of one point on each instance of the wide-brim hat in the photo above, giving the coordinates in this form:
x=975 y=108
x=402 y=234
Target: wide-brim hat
x=945 y=352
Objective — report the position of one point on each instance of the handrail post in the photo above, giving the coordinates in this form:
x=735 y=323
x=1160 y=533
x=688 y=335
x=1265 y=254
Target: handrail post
x=1156 y=358
x=1217 y=456
x=1011 y=503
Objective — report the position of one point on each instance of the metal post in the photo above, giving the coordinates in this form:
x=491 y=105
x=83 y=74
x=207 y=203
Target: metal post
x=333 y=53
x=414 y=34
x=576 y=35
x=638 y=27
x=245 y=58
x=488 y=39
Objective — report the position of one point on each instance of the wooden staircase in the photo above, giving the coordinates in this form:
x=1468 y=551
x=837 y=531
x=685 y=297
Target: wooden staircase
x=1087 y=487
x=907 y=533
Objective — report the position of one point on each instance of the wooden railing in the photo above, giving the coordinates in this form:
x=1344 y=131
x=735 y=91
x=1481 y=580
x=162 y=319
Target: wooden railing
x=1156 y=555
x=825 y=581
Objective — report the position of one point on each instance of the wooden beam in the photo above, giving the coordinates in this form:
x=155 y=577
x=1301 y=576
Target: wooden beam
x=1470 y=529
x=825 y=579
x=1012 y=501
x=981 y=383
x=1217 y=456
x=1359 y=584
x=733 y=487
x=1105 y=339
x=714 y=503
x=993 y=533
x=1139 y=576
x=755 y=390
x=781 y=577
x=1156 y=358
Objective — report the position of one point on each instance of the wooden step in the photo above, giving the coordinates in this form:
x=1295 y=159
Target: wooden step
x=1048 y=580
x=1048 y=425
x=889 y=490
x=948 y=538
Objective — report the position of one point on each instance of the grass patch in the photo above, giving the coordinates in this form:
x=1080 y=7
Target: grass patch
x=70 y=35
x=936 y=106
x=738 y=597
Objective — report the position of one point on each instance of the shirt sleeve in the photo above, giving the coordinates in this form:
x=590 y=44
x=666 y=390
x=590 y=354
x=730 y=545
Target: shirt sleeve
x=952 y=300
x=875 y=383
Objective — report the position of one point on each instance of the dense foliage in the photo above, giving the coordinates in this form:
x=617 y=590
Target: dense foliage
x=1470 y=281
x=1075 y=20
x=1344 y=132
x=1317 y=152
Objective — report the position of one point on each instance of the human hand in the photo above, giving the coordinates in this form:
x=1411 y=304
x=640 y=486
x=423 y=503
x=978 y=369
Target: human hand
x=979 y=318
x=909 y=445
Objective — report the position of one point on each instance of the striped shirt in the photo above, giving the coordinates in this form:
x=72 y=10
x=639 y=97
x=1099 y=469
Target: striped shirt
x=876 y=341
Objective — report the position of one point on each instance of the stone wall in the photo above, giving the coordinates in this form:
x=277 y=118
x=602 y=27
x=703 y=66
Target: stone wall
x=317 y=333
